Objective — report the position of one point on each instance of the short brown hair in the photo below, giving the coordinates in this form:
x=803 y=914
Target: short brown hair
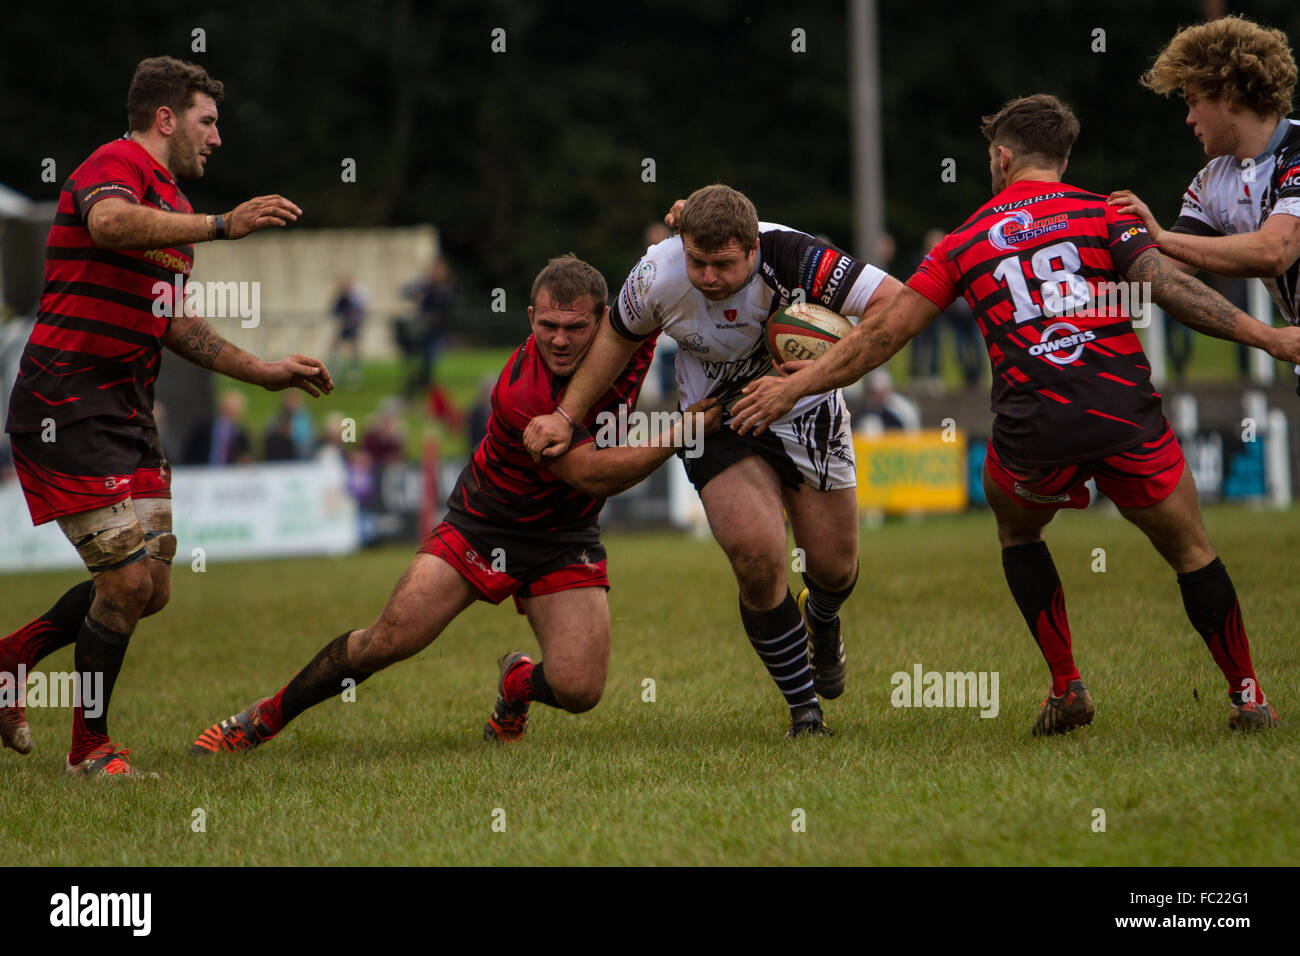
x=1038 y=127
x=1248 y=65
x=715 y=215
x=166 y=81
x=568 y=279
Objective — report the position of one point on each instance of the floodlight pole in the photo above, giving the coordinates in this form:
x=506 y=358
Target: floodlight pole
x=868 y=162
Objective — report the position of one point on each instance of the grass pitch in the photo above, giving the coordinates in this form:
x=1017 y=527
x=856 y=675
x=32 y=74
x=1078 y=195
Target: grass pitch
x=702 y=774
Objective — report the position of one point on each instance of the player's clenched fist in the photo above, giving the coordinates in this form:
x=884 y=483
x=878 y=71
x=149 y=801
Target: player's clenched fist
x=258 y=213
x=1286 y=345
x=548 y=436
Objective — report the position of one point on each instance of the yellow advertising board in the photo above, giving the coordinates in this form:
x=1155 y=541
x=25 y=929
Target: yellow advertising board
x=912 y=472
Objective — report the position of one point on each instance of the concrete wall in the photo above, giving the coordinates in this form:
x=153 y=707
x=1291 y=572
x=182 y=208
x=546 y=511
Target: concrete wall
x=299 y=269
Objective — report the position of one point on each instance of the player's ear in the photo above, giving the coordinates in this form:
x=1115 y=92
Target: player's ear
x=604 y=317
x=530 y=316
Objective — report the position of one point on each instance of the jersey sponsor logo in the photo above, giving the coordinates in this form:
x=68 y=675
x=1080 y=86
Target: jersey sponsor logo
x=695 y=343
x=1052 y=349
x=1003 y=207
x=1290 y=179
x=472 y=557
x=636 y=290
x=830 y=273
x=747 y=368
x=1130 y=233
x=1019 y=227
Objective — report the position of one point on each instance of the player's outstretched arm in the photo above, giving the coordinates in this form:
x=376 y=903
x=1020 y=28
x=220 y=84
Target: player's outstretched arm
x=549 y=435
x=875 y=339
x=604 y=472
x=1199 y=307
x=190 y=337
x=118 y=224
x=1266 y=253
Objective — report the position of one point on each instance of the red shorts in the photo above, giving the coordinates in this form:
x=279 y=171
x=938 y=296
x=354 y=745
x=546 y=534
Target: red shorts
x=91 y=464
x=1137 y=477
x=502 y=565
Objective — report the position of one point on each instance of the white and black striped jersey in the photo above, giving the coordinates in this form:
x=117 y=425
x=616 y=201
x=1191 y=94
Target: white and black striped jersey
x=721 y=344
x=1229 y=198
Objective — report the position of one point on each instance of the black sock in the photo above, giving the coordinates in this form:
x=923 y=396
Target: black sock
x=779 y=638
x=1211 y=604
x=539 y=690
x=823 y=606
x=320 y=680
x=1034 y=583
x=58 y=627
x=99 y=653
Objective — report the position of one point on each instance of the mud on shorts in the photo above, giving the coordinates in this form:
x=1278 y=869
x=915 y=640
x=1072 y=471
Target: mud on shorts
x=815 y=448
x=505 y=562
x=106 y=483
x=1141 y=475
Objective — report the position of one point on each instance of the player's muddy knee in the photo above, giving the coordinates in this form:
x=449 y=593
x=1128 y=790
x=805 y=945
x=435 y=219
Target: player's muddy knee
x=761 y=579
x=161 y=592
x=121 y=596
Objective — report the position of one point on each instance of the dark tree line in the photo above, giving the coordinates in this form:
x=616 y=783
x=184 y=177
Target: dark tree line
x=519 y=155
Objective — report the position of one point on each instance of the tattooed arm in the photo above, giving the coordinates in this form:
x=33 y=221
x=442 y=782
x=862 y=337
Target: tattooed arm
x=190 y=337
x=1201 y=308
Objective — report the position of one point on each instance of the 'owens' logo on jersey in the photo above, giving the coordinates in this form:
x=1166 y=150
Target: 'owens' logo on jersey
x=1051 y=348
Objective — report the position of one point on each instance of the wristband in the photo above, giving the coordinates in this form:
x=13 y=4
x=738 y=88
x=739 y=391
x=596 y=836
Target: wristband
x=220 y=222
x=565 y=416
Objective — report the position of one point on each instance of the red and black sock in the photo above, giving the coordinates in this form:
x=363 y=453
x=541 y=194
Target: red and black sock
x=320 y=680
x=529 y=683
x=58 y=627
x=1211 y=604
x=98 y=660
x=781 y=642
x=1031 y=575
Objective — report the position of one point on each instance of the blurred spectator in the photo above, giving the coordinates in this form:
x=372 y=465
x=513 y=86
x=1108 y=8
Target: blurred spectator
x=385 y=441
x=924 y=355
x=6 y=460
x=481 y=412
x=350 y=310
x=435 y=300
x=288 y=437
x=330 y=443
x=222 y=441
x=656 y=233
x=885 y=409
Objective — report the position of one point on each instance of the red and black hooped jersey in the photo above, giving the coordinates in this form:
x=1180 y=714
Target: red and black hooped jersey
x=98 y=339
x=502 y=485
x=1042 y=265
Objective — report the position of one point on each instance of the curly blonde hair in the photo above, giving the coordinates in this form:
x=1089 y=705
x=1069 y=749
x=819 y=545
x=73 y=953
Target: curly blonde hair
x=1248 y=65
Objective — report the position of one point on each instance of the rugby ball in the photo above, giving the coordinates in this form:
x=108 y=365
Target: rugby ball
x=804 y=331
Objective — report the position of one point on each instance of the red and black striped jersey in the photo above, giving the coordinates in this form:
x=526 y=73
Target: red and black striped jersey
x=1041 y=266
x=97 y=343
x=502 y=485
